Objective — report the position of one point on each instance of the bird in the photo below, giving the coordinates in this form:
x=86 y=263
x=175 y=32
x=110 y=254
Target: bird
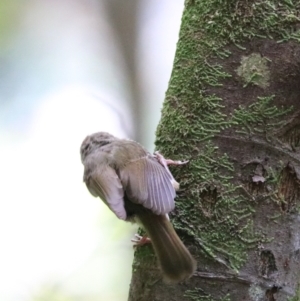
x=138 y=186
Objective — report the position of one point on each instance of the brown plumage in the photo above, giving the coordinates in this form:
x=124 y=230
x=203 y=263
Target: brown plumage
x=136 y=187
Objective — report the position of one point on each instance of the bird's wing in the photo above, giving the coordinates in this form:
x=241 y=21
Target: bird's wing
x=103 y=181
x=148 y=183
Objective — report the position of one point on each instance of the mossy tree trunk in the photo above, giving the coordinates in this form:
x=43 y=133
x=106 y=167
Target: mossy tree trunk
x=233 y=109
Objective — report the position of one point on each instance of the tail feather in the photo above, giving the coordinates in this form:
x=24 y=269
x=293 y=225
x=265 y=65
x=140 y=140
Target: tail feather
x=174 y=258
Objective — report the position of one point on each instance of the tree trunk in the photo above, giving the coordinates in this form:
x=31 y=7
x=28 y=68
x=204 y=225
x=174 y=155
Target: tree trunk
x=233 y=109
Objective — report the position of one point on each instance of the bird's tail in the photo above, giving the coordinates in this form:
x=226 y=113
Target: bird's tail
x=174 y=258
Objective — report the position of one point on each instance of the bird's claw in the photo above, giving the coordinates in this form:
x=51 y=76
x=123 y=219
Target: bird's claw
x=140 y=240
x=165 y=162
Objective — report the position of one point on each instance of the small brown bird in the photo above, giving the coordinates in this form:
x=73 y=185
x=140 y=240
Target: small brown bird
x=138 y=186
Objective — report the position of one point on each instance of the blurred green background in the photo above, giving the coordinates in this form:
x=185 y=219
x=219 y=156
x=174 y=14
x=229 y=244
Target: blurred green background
x=69 y=68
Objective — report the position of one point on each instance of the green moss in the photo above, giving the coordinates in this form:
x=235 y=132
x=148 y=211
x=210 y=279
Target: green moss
x=261 y=117
x=225 y=21
x=211 y=209
x=223 y=219
x=146 y=252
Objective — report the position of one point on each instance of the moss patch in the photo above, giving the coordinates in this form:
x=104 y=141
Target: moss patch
x=260 y=118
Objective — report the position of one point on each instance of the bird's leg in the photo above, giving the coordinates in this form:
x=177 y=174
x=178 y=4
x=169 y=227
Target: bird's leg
x=165 y=162
x=140 y=240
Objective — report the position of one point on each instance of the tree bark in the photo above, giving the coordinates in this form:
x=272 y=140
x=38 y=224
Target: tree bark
x=233 y=109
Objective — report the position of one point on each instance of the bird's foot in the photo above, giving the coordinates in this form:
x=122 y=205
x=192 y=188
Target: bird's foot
x=140 y=240
x=165 y=162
